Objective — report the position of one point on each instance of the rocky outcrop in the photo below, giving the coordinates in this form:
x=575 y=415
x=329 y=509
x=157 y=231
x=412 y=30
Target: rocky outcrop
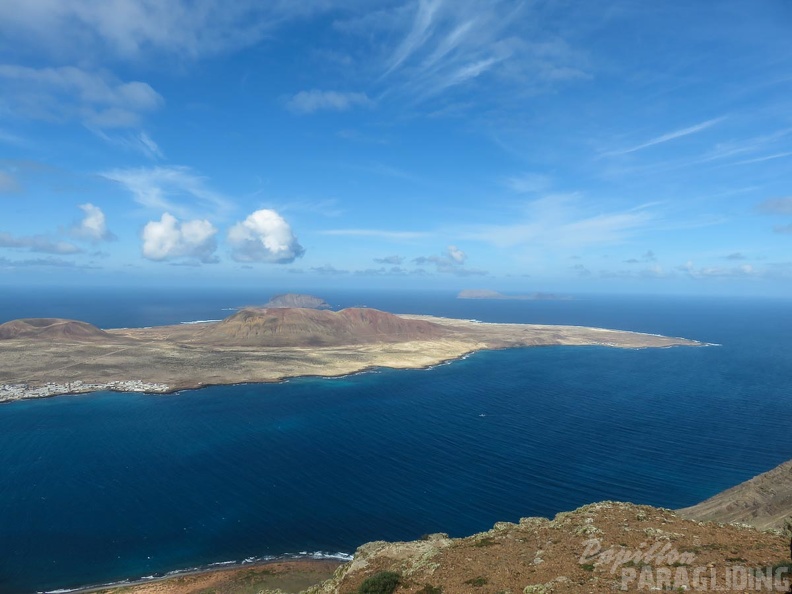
x=764 y=501
x=602 y=547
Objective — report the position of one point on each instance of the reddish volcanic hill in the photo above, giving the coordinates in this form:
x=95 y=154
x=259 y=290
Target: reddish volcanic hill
x=55 y=329
x=309 y=327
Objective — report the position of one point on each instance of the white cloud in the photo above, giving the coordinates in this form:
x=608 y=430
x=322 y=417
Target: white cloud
x=139 y=142
x=395 y=260
x=743 y=271
x=97 y=99
x=168 y=238
x=558 y=221
x=379 y=233
x=456 y=254
x=668 y=137
x=264 y=236
x=131 y=28
x=450 y=262
x=528 y=183
x=447 y=44
x=93 y=226
x=173 y=189
x=38 y=243
x=316 y=100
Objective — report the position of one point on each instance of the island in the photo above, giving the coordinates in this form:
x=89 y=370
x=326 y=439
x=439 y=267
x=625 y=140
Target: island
x=489 y=294
x=49 y=356
x=298 y=300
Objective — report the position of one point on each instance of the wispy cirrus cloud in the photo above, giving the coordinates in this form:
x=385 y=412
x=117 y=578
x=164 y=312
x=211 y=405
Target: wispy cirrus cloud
x=560 y=221
x=443 y=45
x=139 y=142
x=378 y=233
x=174 y=189
x=667 y=137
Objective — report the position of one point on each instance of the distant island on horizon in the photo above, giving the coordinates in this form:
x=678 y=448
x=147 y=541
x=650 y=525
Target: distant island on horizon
x=490 y=294
x=42 y=357
x=297 y=300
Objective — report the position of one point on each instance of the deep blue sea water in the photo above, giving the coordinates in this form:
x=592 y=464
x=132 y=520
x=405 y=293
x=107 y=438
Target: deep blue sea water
x=103 y=487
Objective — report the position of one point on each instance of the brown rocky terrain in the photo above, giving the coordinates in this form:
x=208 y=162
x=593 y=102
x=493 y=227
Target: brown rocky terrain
x=309 y=327
x=764 y=501
x=45 y=358
x=600 y=548
x=52 y=329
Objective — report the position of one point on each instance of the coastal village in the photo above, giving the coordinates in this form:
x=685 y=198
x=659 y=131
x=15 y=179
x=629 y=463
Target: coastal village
x=9 y=392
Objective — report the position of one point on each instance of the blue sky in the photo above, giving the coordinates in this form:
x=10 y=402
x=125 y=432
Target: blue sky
x=517 y=146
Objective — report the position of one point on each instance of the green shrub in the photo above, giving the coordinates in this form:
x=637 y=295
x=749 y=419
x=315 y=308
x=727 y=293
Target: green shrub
x=477 y=582
x=384 y=582
x=429 y=589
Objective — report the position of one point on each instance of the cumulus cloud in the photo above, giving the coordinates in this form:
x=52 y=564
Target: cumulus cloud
x=38 y=243
x=97 y=99
x=450 y=262
x=93 y=226
x=457 y=255
x=316 y=100
x=264 y=236
x=169 y=238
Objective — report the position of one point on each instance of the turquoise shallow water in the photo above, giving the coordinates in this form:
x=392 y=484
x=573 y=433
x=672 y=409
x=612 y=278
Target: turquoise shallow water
x=105 y=487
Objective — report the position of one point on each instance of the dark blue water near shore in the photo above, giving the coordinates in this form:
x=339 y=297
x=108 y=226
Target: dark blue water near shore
x=103 y=487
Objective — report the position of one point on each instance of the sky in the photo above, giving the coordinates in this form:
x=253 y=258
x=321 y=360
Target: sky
x=518 y=146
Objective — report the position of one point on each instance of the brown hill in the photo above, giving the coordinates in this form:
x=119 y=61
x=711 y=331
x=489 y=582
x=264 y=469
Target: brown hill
x=54 y=329
x=310 y=327
x=600 y=548
x=764 y=501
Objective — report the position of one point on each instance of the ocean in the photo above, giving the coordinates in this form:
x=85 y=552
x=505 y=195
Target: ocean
x=106 y=487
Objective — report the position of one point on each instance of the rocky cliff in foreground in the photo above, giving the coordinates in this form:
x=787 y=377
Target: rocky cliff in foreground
x=599 y=548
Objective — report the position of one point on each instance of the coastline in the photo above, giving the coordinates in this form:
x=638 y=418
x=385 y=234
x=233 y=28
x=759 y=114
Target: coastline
x=51 y=390
x=169 y=359
x=279 y=569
